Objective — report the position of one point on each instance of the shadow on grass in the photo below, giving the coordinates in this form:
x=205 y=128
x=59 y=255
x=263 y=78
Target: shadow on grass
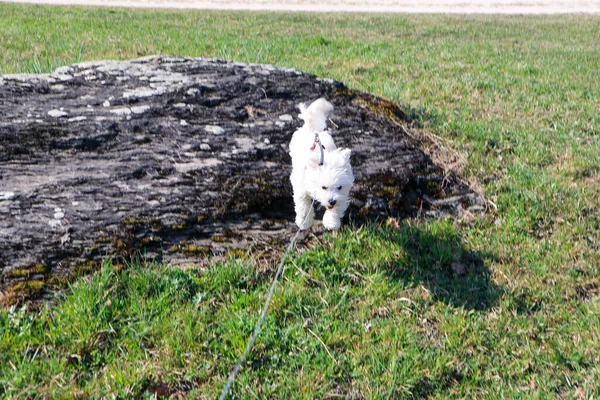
x=436 y=257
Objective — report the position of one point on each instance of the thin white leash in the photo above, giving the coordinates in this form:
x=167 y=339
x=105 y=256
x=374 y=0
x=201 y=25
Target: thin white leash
x=318 y=143
x=250 y=344
x=256 y=332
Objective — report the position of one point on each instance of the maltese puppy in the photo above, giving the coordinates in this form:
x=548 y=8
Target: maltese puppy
x=320 y=171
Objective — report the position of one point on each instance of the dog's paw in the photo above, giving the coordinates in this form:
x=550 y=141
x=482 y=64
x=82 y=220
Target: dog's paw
x=304 y=227
x=304 y=223
x=331 y=221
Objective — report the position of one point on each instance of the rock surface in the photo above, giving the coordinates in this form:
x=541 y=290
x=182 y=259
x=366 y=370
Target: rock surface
x=181 y=159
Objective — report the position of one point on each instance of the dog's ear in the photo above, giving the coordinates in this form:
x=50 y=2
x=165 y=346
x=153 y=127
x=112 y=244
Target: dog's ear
x=346 y=154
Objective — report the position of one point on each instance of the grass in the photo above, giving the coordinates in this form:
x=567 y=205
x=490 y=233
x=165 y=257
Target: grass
x=375 y=312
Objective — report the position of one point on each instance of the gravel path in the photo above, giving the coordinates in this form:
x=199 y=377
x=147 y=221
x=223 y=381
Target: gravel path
x=397 y=6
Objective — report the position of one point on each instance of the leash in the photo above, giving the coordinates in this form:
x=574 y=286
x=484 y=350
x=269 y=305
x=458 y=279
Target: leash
x=256 y=332
x=316 y=143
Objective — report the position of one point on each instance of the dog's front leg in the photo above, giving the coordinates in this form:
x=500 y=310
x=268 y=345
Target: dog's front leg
x=332 y=219
x=304 y=212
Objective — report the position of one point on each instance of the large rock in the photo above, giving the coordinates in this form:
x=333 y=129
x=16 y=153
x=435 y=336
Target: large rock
x=181 y=159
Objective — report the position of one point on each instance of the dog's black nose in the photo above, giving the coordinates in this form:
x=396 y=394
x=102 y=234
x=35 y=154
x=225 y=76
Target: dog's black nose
x=332 y=202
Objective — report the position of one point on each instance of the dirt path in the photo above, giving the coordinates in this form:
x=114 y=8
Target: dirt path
x=397 y=6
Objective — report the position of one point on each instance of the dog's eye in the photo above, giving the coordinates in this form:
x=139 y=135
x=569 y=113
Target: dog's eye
x=339 y=188
x=324 y=187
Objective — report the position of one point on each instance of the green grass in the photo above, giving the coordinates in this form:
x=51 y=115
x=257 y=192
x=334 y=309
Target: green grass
x=375 y=312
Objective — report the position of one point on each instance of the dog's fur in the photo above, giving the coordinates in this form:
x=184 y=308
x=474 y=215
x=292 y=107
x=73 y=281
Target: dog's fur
x=330 y=183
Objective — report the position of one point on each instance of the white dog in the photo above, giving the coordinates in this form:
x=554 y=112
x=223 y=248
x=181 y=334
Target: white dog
x=320 y=171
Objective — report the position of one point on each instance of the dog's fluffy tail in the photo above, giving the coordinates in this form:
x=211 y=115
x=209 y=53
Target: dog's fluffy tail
x=315 y=115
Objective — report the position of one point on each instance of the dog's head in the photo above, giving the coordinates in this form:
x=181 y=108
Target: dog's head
x=331 y=182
